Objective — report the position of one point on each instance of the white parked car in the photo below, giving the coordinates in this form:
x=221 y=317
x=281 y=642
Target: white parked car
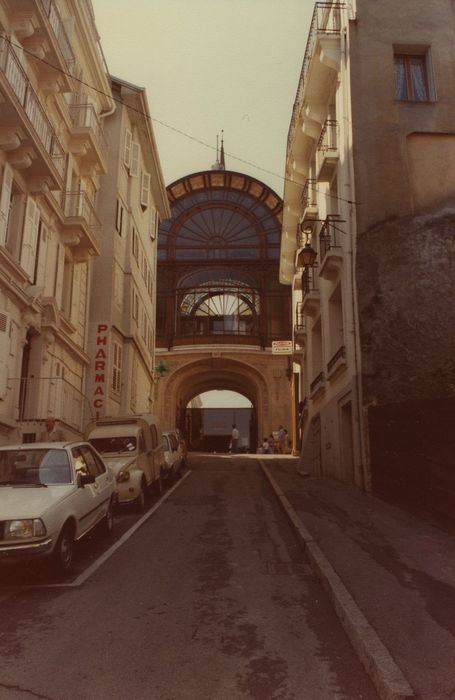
x=173 y=454
x=52 y=494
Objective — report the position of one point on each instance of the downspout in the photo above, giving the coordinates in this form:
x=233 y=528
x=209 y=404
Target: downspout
x=364 y=472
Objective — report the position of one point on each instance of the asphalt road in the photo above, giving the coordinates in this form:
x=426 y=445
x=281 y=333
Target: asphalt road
x=209 y=599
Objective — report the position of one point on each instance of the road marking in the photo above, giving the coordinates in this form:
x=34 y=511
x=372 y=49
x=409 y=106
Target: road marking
x=82 y=578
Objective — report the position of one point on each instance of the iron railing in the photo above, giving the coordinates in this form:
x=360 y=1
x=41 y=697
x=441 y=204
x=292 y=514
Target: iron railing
x=300 y=318
x=78 y=205
x=340 y=353
x=309 y=198
x=328 y=140
x=310 y=280
x=326 y=20
x=50 y=10
x=319 y=379
x=329 y=236
x=85 y=116
x=31 y=106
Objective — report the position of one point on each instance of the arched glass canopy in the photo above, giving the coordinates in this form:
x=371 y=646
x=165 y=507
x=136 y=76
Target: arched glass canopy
x=218 y=260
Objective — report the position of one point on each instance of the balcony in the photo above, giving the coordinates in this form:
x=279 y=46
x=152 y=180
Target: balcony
x=300 y=328
x=317 y=386
x=42 y=33
x=81 y=223
x=87 y=138
x=309 y=200
x=337 y=363
x=325 y=32
x=25 y=130
x=330 y=249
x=327 y=155
x=310 y=291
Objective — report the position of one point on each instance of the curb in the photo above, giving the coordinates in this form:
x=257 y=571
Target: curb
x=378 y=662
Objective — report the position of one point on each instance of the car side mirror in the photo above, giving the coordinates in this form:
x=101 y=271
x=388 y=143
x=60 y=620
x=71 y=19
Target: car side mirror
x=84 y=479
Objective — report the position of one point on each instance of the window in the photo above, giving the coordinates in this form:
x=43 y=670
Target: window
x=135 y=304
x=135 y=162
x=119 y=218
x=411 y=77
x=145 y=189
x=127 y=148
x=135 y=244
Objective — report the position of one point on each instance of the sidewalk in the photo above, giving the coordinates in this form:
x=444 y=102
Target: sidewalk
x=399 y=570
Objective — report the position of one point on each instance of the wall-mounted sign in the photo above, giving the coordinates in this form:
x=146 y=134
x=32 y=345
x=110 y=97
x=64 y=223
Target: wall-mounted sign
x=100 y=361
x=282 y=347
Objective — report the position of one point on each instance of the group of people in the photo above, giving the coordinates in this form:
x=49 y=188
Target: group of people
x=276 y=443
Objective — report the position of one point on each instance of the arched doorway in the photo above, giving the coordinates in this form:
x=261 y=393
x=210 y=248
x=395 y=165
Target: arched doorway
x=209 y=417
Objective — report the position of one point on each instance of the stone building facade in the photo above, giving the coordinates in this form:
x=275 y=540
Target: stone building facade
x=370 y=159
x=132 y=201
x=81 y=194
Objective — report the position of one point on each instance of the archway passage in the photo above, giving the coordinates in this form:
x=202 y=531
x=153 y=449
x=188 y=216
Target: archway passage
x=210 y=418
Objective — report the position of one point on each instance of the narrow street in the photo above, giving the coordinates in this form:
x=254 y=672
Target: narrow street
x=210 y=599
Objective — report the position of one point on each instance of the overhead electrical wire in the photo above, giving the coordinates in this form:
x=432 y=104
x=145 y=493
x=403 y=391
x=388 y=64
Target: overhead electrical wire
x=163 y=123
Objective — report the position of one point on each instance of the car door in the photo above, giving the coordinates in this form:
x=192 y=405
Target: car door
x=101 y=489
x=86 y=498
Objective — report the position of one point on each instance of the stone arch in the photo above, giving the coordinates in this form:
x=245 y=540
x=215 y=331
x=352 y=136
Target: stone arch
x=196 y=376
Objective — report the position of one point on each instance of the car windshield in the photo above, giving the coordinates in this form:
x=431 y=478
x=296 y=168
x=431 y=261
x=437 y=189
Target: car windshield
x=37 y=467
x=127 y=443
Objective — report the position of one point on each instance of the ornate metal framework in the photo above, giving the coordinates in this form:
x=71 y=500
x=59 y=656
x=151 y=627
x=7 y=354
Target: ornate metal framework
x=218 y=259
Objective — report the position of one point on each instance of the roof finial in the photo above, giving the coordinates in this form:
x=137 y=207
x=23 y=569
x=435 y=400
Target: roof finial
x=222 y=163
x=219 y=163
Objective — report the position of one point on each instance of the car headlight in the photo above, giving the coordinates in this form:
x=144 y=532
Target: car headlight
x=23 y=529
x=122 y=476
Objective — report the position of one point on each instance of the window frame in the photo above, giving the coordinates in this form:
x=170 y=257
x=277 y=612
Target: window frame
x=408 y=54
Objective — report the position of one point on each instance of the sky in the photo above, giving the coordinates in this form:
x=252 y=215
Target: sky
x=207 y=66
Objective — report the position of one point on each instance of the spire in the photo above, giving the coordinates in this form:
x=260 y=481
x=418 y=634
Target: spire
x=222 y=163
x=219 y=163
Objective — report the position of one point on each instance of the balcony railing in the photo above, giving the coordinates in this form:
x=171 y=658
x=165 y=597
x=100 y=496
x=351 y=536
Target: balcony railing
x=329 y=236
x=77 y=205
x=317 y=381
x=339 y=355
x=328 y=140
x=40 y=126
x=84 y=117
x=310 y=280
x=50 y=10
x=300 y=318
x=309 y=198
x=326 y=20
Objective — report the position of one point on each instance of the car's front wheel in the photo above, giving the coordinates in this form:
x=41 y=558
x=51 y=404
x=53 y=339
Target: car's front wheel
x=64 y=551
x=107 y=523
x=142 y=498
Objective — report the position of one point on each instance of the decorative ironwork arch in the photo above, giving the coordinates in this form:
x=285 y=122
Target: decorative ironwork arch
x=218 y=263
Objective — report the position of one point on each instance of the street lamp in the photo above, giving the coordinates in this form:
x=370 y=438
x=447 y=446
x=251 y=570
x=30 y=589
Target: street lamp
x=307 y=255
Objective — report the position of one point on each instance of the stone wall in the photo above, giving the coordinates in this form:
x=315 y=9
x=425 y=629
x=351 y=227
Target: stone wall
x=406 y=294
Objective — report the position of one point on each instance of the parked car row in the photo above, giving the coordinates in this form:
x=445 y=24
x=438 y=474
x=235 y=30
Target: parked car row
x=53 y=494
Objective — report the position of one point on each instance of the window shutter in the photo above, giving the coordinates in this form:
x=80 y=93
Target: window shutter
x=145 y=189
x=4 y=352
x=42 y=250
x=30 y=236
x=134 y=169
x=127 y=149
x=5 y=200
x=59 y=275
x=75 y=297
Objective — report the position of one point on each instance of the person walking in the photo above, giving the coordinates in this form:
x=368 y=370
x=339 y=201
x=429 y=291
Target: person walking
x=235 y=436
